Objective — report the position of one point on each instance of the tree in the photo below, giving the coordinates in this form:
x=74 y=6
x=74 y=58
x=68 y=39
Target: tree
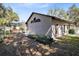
x=7 y=15
x=60 y=13
x=73 y=13
x=2 y=10
x=11 y=15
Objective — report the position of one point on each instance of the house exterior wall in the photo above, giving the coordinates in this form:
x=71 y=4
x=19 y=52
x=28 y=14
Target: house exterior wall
x=39 y=27
x=77 y=28
x=60 y=26
x=43 y=26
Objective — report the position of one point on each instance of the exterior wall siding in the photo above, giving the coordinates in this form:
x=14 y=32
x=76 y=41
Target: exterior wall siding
x=43 y=26
x=60 y=26
x=77 y=28
x=39 y=27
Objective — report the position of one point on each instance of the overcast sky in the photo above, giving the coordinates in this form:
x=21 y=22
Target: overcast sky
x=25 y=9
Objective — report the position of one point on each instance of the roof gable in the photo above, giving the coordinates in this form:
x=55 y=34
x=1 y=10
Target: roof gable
x=53 y=17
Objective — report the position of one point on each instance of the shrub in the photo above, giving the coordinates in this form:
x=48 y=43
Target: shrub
x=71 y=31
x=1 y=39
x=32 y=36
x=45 y=39
x=1 y=31
x=7 y=32
x=42 y=38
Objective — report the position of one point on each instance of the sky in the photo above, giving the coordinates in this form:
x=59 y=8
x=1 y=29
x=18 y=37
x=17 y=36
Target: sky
x=24 y=10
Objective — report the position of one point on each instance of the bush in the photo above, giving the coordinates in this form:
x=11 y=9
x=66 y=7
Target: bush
x=1 y=31
x=7 y=32
x=42 y=39
x=1 y=39
x=45 y=39
x=71 y=31
x=32 y=36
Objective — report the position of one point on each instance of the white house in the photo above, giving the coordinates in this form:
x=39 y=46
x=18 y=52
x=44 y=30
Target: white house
x=42 y=24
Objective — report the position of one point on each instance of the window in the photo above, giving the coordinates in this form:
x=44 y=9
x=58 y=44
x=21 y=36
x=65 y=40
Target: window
x=35 y=20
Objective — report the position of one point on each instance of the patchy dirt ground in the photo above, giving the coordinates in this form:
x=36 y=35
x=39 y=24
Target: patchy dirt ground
x=20 y=45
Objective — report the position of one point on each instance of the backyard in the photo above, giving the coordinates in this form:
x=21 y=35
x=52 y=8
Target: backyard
x=70 y=44
x=21 y=45
x=15 y=41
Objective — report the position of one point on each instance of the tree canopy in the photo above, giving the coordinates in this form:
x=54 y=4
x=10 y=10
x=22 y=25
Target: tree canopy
x=71 y=14
x=7 y=15
x=60 y=13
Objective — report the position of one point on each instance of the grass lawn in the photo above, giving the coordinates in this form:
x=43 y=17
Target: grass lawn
x=71 y=44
